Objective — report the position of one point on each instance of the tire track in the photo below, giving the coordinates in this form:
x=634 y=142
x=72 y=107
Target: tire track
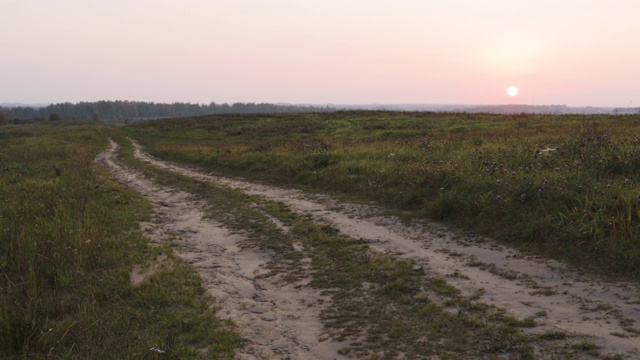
x=277 y=321
x=558 y=297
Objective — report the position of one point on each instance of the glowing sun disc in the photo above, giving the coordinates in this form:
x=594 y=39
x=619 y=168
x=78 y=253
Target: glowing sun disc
x=512 y=91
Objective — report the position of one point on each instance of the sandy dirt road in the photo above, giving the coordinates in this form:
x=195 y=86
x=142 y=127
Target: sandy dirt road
x=561 y=299
x=276 y=320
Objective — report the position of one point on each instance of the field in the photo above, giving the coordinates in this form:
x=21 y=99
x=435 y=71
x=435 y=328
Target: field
x=566 y=186
x=376 y=235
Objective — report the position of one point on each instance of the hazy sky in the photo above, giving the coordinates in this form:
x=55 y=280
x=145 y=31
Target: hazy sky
x=574 y=52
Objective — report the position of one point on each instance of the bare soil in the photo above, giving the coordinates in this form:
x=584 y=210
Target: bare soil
x=278 y=321
x=558 y=297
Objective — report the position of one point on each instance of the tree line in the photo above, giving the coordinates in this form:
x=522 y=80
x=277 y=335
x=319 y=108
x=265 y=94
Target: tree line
x=138 y=110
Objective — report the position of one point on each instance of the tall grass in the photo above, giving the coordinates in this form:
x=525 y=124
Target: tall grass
x=564 y=185
x=68 y=242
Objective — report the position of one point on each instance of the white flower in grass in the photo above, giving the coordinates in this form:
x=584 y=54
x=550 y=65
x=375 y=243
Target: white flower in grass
x=155 y=350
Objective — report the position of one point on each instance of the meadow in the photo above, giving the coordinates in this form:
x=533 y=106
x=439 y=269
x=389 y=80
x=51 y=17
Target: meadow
x=565 y=186
x=69 y=241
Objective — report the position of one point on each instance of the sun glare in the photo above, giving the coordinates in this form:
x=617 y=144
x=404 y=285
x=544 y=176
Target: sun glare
x=512 y=91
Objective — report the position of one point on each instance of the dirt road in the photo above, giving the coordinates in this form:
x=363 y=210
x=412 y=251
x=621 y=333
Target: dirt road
x=274 y=318
x=559 y=298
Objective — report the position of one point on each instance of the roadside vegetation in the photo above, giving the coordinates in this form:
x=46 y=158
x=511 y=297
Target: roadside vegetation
x=69 y=241
x=566 y=186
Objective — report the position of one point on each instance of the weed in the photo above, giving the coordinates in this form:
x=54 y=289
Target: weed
x=586 y=346
x=553 y=335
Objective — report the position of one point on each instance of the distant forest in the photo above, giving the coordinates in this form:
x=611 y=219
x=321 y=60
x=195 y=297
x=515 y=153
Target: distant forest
x=137 y=110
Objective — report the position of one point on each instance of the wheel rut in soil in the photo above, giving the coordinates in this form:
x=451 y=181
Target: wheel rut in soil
x=277 y=321
x=558 y=297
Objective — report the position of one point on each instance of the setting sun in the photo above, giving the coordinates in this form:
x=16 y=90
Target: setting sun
x=512 y=91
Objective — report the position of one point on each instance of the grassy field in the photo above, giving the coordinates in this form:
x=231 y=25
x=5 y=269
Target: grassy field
x=566 y=186
x=69 y=241
x=561 y=185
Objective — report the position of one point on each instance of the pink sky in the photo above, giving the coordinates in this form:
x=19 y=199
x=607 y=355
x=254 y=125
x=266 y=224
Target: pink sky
x=345 y=52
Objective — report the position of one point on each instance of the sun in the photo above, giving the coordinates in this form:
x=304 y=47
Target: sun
x=512 y=91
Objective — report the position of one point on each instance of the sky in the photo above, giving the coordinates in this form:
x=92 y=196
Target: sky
x=572 y=52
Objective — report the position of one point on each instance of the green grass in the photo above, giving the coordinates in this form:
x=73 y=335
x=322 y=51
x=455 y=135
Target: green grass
x=69 y=240
x=490 y=173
